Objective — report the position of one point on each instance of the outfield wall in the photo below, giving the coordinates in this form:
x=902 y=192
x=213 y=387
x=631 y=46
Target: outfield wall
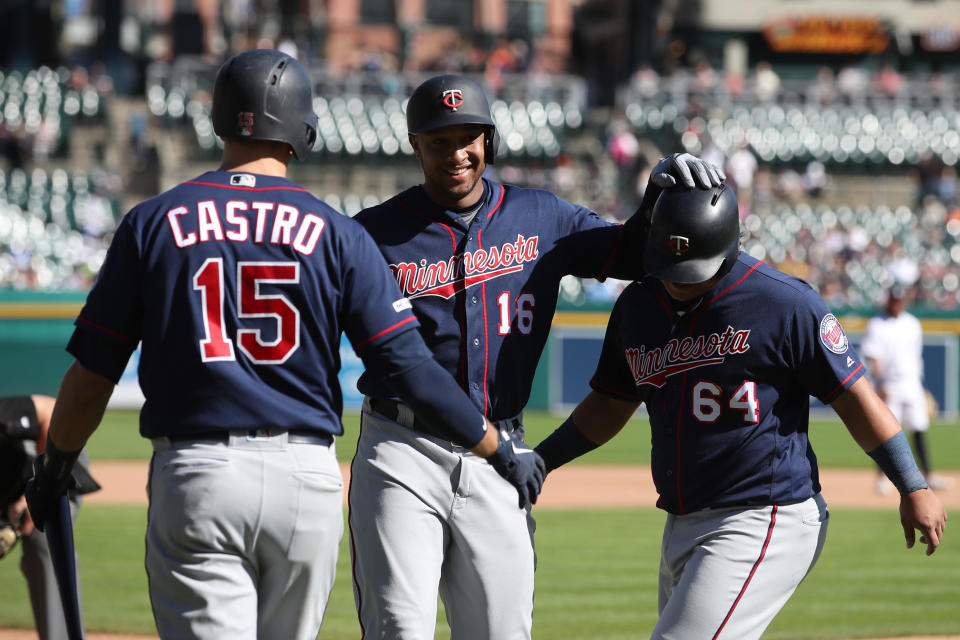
x=34 y=328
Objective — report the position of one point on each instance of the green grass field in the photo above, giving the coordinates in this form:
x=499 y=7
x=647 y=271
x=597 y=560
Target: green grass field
x=118 y=439
x=597 y=577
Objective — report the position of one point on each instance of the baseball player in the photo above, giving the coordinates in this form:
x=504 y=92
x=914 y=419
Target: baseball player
x=481 y=263
x=893 y=349
x=239 y=284
x=725 y=352
x=24 y=422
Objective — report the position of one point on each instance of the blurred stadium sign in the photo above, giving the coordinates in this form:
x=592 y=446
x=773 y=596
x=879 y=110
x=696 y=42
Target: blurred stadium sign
x=826 y=34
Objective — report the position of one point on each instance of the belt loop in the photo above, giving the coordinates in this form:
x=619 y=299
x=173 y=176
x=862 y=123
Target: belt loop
x=405 y=415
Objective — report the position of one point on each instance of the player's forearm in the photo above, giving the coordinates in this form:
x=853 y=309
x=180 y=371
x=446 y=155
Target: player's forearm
x=865 y=415
x=436 y=398
x=595 y=421
x=601 y=417
x=43 y=405
x=80 y=404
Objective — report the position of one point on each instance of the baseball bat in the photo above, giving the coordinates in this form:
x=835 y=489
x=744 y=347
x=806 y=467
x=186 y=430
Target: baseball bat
x=59 y=531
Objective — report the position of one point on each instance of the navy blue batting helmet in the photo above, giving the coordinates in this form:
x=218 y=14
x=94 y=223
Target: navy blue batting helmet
x=694 y=234
x=264 y=94
x=450 y=99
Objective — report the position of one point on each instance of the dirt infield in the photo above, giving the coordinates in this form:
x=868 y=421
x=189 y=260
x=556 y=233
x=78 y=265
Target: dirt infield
x=575 y=486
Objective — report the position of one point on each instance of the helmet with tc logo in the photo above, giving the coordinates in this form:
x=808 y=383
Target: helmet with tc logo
x=447 y=100
x=694 y=235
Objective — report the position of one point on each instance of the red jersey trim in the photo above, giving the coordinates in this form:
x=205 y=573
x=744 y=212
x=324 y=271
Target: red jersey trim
x=616 y=248
x=503 y=190
x=734 y=285
x=386 y=331
x=486 y=337
x=106 y=330
x=843 y=382
x=412 y=211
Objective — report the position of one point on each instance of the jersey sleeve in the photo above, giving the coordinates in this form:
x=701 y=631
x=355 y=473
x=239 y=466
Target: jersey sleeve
x=373 y=308
x=826 y=362
x=590 y=244
x=613 y=376
x=102 y=322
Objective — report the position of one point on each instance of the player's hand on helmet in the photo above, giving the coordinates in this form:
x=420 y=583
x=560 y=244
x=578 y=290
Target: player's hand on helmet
x=922 y=510
x=521 y=466
x=688 y=170
x=52 y=478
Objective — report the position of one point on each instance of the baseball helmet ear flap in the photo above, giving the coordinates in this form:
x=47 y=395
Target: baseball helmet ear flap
x=492 y=145
x=694 y=235
x=447 y=100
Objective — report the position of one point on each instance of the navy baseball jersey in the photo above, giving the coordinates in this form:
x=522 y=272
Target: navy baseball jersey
x=485 y=293
x=264 y=277
x=727 y=384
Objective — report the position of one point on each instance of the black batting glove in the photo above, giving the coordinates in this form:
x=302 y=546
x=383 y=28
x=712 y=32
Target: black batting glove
x=51 y=480
x=688 y=170
x=521 y=466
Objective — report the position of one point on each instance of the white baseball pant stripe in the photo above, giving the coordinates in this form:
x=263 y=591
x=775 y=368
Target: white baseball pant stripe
x=726 y=573
x=426 y=515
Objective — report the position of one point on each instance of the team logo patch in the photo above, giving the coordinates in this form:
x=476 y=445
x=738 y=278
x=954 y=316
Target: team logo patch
x=679 y=244
x=452 y=99
x=243 y=180
x=832 y=335
x=402 y=304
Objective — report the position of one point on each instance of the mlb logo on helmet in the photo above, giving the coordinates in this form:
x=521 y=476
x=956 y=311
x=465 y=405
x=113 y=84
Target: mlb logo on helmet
x=679 y=244
x=452 y=99
x=245 y=123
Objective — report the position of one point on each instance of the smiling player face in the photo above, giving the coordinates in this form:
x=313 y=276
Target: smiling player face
x=453 y=160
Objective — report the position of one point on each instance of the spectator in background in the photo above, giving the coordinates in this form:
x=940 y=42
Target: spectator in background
x=893 y=350
x=852 y=83
x=815 y=179
x=623 y=147
x=888 y=82
x=741 y=166
x=646 y=81
x=823 y=89
x=766 y=82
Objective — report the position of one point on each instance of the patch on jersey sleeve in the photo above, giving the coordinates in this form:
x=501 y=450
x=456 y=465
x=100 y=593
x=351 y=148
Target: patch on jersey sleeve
x=402 y=304
x=832 y=335
x=243 y=180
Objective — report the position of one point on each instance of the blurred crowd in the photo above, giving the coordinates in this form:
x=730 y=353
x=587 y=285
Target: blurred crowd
x=850 y=254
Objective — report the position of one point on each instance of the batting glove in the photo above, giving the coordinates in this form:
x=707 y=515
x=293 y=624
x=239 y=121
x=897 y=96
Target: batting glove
x=521 y=466
x=688 y=170
x=52 y=478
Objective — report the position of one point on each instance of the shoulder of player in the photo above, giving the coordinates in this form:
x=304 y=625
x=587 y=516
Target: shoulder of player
x=776 y=279
x=514 y=195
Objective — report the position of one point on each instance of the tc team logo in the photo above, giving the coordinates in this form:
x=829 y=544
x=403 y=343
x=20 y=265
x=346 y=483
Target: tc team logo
x=453 y=99
x=679 y=244
x=832 y=335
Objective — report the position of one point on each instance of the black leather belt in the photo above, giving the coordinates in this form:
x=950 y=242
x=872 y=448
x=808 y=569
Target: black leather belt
x=295 y=436
x=390 y=409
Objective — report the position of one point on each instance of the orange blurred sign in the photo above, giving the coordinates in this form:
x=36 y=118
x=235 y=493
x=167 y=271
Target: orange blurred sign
x=823 y=34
